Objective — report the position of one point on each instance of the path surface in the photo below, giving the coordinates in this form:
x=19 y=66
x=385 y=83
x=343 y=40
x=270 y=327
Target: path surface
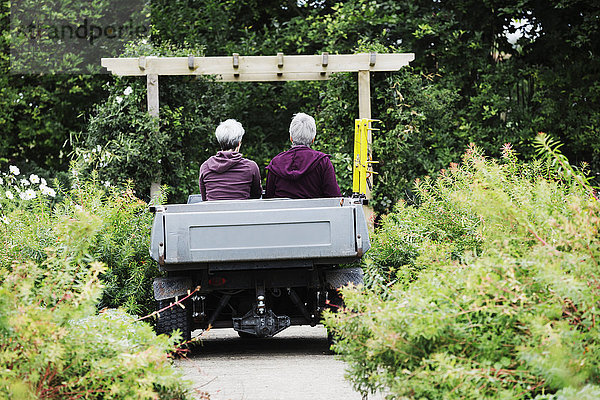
x=292 y=365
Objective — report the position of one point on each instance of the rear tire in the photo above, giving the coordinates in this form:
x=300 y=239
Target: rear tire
x=174 y=318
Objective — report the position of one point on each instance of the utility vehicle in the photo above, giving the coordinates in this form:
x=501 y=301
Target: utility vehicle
x=257 y=266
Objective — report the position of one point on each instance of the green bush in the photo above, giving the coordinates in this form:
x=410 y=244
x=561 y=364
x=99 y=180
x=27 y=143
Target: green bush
x=492 y=287
x=54 y=345
x=121 y=242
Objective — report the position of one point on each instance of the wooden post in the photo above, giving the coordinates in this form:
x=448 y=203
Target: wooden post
x=364 y=111
x=152 y=89
x=364 y=94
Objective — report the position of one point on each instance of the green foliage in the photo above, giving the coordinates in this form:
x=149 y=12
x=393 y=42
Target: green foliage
x=25 y=204
x=54 y=345
x=419 y=134
x=491 y=288
x=335 y=125
x=39 y=111
x=549 y=148
x=121 y=241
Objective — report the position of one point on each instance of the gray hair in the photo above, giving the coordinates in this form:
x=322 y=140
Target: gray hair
x=229 y=134
x=303 y=129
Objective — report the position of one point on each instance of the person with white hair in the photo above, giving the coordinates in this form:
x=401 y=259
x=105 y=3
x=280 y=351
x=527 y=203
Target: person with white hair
x=227 y=175
x=301 y=172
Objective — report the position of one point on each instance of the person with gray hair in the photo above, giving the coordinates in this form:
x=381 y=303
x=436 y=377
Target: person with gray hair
x=227 y=175
x=301 y=172
x=303 y=130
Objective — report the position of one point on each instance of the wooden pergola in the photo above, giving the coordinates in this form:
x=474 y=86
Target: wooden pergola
x=236 y=68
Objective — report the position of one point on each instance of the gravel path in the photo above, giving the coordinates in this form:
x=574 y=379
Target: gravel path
x=292 y=365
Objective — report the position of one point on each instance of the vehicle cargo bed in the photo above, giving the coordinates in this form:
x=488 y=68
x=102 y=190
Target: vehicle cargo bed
x=317 y=231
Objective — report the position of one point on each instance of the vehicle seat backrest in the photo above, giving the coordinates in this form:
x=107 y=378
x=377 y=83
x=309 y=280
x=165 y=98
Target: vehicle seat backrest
x=194 y=198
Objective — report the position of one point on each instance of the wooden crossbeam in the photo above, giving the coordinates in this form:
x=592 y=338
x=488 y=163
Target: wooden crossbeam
x=259 y=68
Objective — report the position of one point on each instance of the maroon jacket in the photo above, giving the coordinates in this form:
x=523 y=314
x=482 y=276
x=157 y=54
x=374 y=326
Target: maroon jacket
x=228 y=176
x=301 y=173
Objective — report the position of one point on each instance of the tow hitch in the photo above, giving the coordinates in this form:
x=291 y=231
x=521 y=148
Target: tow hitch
x=261 y=321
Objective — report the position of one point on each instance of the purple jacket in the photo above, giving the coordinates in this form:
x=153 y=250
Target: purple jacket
x=228 y=176
x=301 y=173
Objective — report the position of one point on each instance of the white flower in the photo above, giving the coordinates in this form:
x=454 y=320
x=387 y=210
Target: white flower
x=4 y=219
x=25 y=182
x=46 y=191
x=43 y=182
x=106 y=183
x=128 y=90
x=9 y=195
x=14 y=170
x=1 y=181
x=27 y=195
x=34 y=178
x=119 y=99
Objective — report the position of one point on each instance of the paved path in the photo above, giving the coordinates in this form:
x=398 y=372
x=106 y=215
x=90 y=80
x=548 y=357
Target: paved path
x=292 y=365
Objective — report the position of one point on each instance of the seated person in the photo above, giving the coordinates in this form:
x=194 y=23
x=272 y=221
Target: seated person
x=300 y=172
x=228 y=176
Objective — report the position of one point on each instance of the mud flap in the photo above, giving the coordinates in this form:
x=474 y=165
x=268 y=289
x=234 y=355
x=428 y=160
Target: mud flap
x=337 y=278
x=166 y=288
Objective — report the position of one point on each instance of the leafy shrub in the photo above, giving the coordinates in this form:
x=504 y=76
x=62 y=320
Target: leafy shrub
x=493 y=288
x=53 y=345
x=121 y=242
